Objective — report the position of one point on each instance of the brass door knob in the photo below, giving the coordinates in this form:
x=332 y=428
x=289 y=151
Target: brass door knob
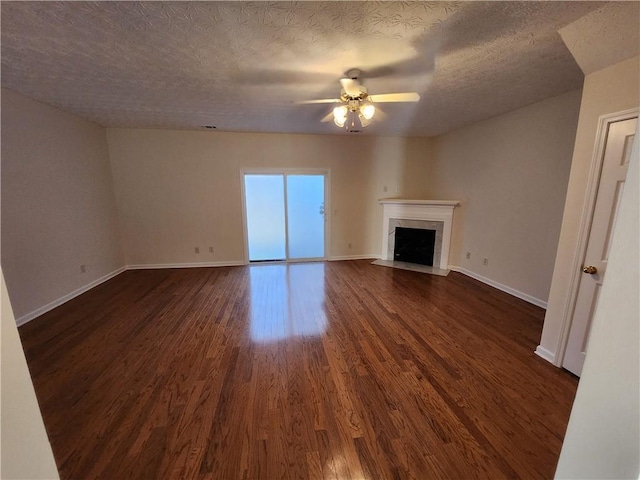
x=590 y=270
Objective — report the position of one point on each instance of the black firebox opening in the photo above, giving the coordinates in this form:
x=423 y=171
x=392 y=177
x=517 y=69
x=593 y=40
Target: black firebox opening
x=415 y=245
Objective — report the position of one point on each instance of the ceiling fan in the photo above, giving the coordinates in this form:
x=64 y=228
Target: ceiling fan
x=357 y=107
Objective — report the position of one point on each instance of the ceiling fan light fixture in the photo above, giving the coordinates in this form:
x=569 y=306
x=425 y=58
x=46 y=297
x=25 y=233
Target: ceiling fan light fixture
x=354 y=115
x=367 y=111
x=353 y=121
x=340 y=111
x=364 y=121
x=356 y=107
x=340 y=115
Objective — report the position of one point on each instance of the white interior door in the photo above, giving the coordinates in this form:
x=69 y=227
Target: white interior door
x=612 y=178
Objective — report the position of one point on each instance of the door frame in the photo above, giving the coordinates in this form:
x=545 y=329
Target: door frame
x=586 y=219
x=288 y=171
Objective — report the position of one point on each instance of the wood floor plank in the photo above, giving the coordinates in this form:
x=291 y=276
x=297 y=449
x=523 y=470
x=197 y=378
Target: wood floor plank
x=337 y=370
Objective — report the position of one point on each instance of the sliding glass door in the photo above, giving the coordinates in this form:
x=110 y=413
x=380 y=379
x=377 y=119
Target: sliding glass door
x=285 y=215
x=264 y=202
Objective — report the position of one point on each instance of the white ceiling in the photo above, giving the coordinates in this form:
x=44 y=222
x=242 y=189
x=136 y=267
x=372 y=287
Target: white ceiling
x=241 y=65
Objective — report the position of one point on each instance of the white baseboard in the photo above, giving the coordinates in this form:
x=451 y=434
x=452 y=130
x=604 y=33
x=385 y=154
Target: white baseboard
x=149 y=266
x=337 y=258
x=50 y=306
x=546 y=354
x=499 y=286
x=146 y=266
x=56 y=303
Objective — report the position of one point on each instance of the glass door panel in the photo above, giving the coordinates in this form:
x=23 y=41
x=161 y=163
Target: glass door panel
x=305 y=216
x=264 y=199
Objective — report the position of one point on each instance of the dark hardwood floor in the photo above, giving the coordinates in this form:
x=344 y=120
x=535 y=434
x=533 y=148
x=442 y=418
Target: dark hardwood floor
x=339 y=370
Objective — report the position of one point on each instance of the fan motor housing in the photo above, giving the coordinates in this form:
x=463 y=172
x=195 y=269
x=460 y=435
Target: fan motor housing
x=360 y=97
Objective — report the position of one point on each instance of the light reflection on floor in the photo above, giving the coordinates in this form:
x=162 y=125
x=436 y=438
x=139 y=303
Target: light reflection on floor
x=287 y=301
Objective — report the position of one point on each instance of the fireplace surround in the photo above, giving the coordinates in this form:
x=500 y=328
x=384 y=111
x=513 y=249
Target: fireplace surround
x=422 y=214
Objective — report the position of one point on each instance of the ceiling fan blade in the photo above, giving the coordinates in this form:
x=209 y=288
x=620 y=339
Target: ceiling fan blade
x=321 y=100
x=351 y=87
x=395 y=97
x=328 y=117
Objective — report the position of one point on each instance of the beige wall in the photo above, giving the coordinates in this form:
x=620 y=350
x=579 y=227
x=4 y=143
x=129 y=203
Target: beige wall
x=24 y=447
x=177 y=190
x=58 y=206
x=603 y=436
x=606 y=91
x=510 y=172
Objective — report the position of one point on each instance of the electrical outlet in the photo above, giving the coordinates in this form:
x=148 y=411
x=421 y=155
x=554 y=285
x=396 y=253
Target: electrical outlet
x=485 y=261
x=197 y=249
x=349 y=245
x=468 y=255
x=210 y=249
x=384 y=188
x=83 y=268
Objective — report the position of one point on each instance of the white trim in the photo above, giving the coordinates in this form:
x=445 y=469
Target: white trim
x=511 y=291
x=152 y=266
x=585 y=225
x=56 y=303
x=546 y=354
x=337 y=258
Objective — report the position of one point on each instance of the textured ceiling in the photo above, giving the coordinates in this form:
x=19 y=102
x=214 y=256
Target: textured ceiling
x=605 y=36
x=242 y=65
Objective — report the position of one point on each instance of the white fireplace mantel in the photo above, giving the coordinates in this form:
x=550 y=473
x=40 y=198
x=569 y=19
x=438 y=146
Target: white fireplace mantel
x=404 y=201
x=414 y=209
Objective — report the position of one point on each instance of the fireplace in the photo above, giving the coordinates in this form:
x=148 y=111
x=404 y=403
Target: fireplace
x=415 y=245
x=434 y=216
x=417 y=226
